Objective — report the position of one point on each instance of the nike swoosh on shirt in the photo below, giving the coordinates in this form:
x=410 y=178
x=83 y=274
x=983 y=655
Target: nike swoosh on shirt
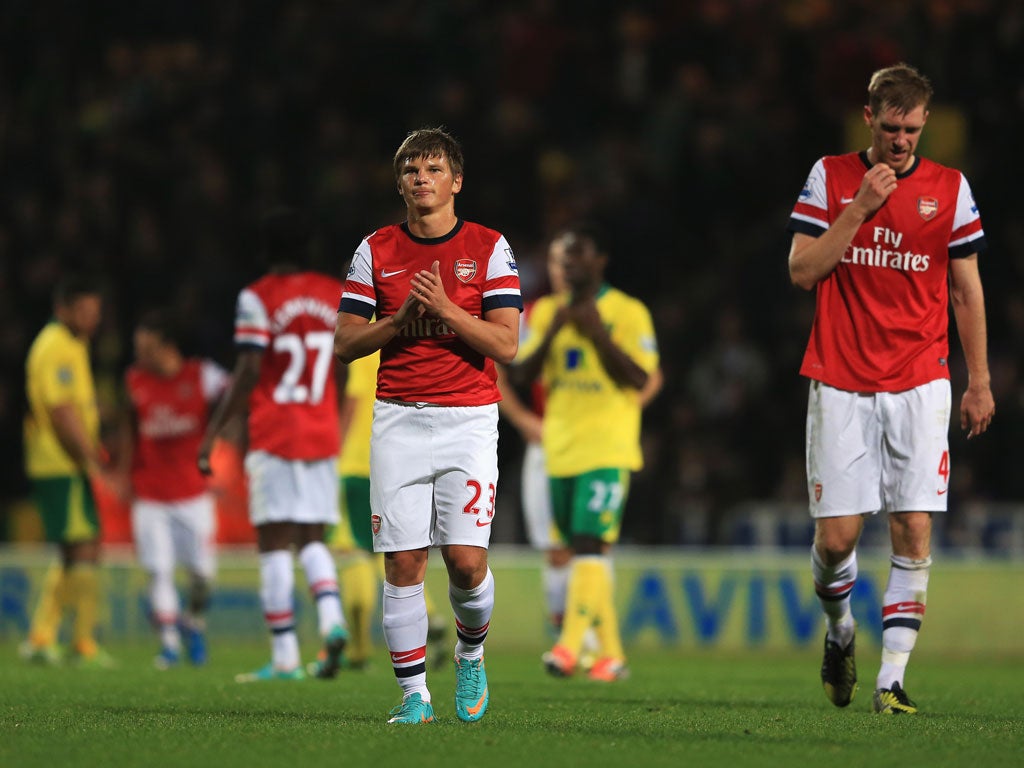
x=845 y=200
x=385 y=273
x=483 y=525
x=940 y=493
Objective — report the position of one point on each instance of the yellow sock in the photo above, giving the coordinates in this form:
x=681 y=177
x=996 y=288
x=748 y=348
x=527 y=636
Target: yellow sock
x=50 y=609
x=607 y=622
x=360 y=596
x=583 y=601
x=83 y=593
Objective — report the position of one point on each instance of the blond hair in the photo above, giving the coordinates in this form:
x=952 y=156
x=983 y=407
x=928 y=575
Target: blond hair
x=900 y=87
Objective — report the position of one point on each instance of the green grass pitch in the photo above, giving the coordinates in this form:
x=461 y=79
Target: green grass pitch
x=677 y=709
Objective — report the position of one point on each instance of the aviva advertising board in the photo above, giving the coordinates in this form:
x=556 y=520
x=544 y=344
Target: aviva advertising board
x=667 y=599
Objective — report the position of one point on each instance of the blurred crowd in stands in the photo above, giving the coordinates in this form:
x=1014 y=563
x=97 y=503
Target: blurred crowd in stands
x=143 y=141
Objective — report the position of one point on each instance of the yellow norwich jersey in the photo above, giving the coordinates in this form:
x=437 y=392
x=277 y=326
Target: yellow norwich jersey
x=361 y=385
x=590 y=422
x=57 y=372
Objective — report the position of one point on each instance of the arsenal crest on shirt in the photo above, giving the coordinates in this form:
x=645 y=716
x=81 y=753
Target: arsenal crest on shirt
x=927 y=207
x=465 y=269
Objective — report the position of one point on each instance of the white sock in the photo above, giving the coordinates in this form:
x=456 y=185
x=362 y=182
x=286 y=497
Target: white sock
x=277 y=582
x=322 y=577
x=833 y=585
x=163 y=602
x=405 y=632
x=556 y=586
x=902 y=610
x=473 y=608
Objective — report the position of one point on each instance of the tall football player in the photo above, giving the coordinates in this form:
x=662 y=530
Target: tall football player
x=887 y=238
x=446 y=295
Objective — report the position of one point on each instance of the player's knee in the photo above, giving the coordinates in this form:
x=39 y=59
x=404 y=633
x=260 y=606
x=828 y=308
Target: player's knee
x=406 y=568
x=466 y=569
x=911 y=534
x=559 y=556
x=310 y=533
x=834 y=546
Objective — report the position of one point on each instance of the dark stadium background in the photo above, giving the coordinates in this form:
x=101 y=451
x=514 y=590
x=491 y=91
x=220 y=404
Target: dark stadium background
x=143 y=140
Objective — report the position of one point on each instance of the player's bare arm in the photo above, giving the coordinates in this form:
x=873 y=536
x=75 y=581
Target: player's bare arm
x=977 y=406
x=623 y=370
x=74 y=439
x=527 y=370
x=650 y=390
x=811 y=259
x=355 y=336
x=346 y=410
x=233 y=403
x=71 y=432
x=495 y=335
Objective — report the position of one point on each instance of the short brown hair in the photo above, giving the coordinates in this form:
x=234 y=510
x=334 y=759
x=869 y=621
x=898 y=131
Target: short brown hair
x=900 y=87
x=429 y=142
x=162 y=324
x=73 y=286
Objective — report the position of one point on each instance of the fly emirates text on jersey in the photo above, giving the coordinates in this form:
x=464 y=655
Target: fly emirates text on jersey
x=882 y=255
x=425 y=328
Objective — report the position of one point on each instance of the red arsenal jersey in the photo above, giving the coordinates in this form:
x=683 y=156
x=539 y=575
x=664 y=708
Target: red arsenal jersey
x=881 y=319
x=170 y=417
x=293 y=411
x=427 y=361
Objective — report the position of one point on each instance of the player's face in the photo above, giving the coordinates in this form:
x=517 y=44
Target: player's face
x=83 y=315
x=582 y=264
x=895 y=135
x=427 y=184
x=147 y=350
x=556 y=265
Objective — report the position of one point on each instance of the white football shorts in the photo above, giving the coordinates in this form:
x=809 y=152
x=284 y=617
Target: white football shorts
x=170 y=533
x=286 y=491
x=433 y=475
x=872 y=452
x=536 y=498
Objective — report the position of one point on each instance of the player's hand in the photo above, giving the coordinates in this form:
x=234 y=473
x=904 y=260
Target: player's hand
x=977 y=408
x=586 y=318
x=115 y=483
x=532 y=428
x=878 y=183
x=428 y=288
x=560 y=318
x=411 y=309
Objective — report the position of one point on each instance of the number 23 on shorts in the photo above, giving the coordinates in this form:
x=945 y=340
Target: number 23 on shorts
x=472 y=508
